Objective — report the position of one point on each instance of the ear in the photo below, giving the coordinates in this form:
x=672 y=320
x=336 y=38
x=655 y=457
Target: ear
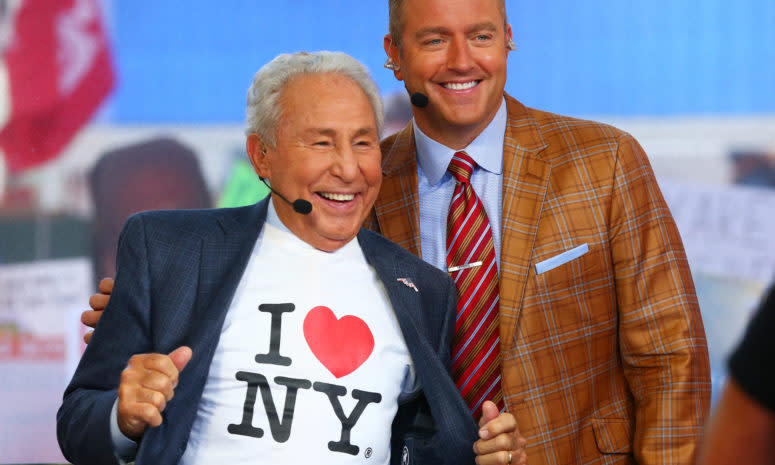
x=391 y=50
x=509 y=39
x=257 y=153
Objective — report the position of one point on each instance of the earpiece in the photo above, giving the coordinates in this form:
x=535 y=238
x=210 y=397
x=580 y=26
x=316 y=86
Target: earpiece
x=390 y=65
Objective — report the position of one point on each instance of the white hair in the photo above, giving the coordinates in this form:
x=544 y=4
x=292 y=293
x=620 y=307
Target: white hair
x=263 y=103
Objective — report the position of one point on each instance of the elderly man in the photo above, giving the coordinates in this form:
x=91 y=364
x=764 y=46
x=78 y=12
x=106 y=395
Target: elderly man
x=578 y=310
x=342 y=334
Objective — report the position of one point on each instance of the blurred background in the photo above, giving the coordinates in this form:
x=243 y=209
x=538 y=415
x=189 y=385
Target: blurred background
x=108 y=107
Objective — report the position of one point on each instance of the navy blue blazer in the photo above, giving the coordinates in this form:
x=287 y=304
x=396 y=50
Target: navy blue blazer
x=177 y=274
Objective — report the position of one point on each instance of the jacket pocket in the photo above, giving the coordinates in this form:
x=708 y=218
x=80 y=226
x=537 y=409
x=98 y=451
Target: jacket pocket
x=613 y=435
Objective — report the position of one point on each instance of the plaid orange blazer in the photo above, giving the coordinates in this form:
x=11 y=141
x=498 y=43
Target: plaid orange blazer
x=604 y=356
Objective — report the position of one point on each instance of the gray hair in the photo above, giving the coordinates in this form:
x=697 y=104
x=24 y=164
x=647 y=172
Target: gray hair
x=263 y=103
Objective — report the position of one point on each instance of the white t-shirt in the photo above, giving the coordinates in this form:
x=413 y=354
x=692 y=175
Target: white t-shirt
x=323 y=329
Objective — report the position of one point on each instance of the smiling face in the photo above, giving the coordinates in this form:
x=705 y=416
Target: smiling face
x=454 y=51
x=327 y=152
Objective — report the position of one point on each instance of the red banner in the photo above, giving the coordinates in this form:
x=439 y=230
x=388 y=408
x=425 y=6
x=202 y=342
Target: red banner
x=59 y=71
x=31 y=347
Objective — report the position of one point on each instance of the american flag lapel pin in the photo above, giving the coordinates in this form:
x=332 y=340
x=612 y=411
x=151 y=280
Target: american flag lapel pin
x=408 y=283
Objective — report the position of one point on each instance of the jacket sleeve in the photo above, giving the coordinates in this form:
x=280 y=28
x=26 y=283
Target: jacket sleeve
x=83 y=428
x=662 y=339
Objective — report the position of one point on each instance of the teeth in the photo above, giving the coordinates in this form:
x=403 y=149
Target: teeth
x=337 y=197
x=460 y=85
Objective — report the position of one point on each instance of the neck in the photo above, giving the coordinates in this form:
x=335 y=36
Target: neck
x=298 y=225
x=456 y=137
x=452 y=139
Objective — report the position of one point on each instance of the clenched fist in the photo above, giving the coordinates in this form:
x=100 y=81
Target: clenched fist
x=147 y=384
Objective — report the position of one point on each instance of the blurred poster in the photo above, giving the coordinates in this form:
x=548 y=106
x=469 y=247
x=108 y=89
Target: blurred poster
x=55 y=72
x=40 y=345
x=727 y=232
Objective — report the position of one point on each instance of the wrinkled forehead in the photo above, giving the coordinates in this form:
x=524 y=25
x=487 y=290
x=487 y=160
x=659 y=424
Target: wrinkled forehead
x=301 y=95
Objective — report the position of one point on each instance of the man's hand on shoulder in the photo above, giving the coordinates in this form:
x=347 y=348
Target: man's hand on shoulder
x=97 y=302
x=147 y=384
x=500 y=441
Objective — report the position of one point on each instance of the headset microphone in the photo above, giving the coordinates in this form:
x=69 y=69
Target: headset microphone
x=301 y=206
x=419 y=100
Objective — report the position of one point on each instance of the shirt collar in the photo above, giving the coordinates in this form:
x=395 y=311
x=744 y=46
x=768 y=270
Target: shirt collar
x=272 y=218
x=486 y=149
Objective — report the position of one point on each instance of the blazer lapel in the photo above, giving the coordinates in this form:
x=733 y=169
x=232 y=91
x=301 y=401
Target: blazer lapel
x=447 y=407
x=227 y=237
x=397 y=206
x=404 y=300
x=225 y=254
x=525 y=181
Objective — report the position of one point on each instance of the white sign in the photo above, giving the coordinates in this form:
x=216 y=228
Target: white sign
x=40 y=345
x=727 y=230
x=34 y=297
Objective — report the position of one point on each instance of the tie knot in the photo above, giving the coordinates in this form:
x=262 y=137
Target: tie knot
x=461 y=167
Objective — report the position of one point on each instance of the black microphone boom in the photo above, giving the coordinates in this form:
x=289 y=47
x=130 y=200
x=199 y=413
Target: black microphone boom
x=419 y=100
x=301 y=206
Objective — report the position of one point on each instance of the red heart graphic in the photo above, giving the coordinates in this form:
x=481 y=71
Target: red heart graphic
x=341 y=345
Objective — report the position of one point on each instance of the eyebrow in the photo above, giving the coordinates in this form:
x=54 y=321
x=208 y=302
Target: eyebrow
x=365 y=131
x=332 y=132
x=485 y=25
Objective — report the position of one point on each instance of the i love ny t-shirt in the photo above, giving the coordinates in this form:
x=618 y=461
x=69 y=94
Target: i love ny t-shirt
x=310 y=362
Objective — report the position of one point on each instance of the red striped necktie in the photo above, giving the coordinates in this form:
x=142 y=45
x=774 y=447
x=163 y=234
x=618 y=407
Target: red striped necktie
x=471 y=262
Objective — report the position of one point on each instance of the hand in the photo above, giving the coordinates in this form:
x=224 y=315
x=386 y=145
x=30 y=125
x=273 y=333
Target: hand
x=147 y=384
x=97 y=302
x=500 y=441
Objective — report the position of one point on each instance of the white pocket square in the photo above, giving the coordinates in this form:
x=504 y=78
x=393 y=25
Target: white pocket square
x=561 y=259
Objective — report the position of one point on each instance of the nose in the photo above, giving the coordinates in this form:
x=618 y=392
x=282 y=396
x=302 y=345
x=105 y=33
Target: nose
x=459 y=55
x=345 y=164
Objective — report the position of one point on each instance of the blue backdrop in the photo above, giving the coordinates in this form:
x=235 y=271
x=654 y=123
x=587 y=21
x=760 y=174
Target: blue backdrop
x=191 y=62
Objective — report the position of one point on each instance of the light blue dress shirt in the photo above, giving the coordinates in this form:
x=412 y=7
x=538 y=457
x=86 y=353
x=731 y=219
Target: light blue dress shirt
x=436 y=186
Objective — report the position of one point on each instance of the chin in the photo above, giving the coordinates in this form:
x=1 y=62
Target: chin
x=341 y=236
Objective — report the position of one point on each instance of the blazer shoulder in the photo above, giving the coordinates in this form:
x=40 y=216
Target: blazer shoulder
x=567 y=136
x=201 y=221
x=398 y=150
x=555 y=123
